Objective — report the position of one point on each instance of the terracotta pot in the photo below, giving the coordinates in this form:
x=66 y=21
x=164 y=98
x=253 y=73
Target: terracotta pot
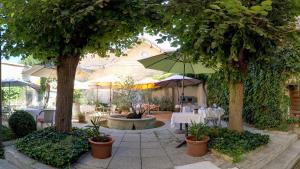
x=81 y=119
x=196 y=148
x=101 y=150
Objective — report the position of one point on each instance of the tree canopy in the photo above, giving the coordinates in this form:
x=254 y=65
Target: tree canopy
x=216 y=31
x=47 y=29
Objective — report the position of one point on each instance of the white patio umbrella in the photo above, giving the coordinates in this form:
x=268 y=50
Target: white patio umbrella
x=105 y=81
x=50 y=72
x=81 y=85
x=146 y=83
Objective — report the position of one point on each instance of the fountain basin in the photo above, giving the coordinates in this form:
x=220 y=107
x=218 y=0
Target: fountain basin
x=122 y=123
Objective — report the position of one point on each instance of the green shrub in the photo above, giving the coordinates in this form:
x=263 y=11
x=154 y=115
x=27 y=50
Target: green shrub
x=235 y=144
x=6 y=134
x=1 y=151
x=165 y=103
x=22 y=123
x=52 y=148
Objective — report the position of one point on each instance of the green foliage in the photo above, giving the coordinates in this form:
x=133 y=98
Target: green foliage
x=233 y=143
x=30 y=61
x=218 y=91
x=21 y=123
x=198 y=131
x=11 y=94
x=165 y=103
x=6 y=134
x=56 y=149
x=229 y=32
x=1 y=151
x=94 y=131
x=48 y=29
x=77 y=96
x=126 y=95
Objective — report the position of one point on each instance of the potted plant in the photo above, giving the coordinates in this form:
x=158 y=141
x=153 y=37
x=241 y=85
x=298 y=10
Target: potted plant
x=81 y=117
x=101 y=143
x=197 y=141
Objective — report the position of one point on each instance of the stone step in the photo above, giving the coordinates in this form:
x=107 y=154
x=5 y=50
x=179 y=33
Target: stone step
x=259 y=158
x=287 y=159
x=6 y=165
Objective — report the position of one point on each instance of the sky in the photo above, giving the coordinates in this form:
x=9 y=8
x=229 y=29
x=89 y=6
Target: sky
x=166 y=46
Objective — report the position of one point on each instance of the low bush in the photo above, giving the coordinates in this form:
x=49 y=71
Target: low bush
x=22 y=123
x=52 y=148
x=235 y=144
x=6 y=134
x=1 y=151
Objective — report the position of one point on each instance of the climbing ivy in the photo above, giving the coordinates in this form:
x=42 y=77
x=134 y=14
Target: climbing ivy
x=265 y=103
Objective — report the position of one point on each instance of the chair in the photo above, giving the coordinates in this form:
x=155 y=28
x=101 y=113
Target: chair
x=211 y=117
x=6 y=113
x=46 y=116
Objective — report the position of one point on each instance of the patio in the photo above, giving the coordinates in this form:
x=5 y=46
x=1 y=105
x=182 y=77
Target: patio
x=155 y=149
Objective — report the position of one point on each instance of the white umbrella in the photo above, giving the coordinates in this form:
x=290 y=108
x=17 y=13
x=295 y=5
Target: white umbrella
x=175 y=81
x=50 y=72
x=81 y=85
x=105 y=81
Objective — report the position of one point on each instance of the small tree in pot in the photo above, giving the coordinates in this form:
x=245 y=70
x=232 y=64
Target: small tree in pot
x=100 y=142
x=197 y=141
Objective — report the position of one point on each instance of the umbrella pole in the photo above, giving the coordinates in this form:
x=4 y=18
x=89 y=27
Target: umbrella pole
x=182 y=94
x=110 y=94
x=9 y=95
x=97 y=95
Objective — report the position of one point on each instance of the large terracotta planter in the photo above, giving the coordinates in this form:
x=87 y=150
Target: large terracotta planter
x=81 y=119
x=196 y=148
x=101 y=150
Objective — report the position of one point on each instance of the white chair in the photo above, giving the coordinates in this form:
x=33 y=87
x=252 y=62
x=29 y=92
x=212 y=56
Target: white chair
x=46 y=116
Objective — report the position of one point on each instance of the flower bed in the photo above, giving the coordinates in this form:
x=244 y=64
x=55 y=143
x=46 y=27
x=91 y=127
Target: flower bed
x=56 y=149
x=235 y=144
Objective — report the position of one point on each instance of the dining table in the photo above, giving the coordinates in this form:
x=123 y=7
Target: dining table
x=200 y=116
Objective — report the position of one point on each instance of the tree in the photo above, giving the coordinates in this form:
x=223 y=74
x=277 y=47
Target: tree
x=64 y=30
x=232 y=33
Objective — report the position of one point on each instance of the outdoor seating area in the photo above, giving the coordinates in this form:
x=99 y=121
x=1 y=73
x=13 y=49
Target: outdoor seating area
x=155 y=84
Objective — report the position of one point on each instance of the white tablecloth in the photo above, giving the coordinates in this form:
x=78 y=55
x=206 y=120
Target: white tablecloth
x=183 y=117
x=34 y=112
x=188 y=117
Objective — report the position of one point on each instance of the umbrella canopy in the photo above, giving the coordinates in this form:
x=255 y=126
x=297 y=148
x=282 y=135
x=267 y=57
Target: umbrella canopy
x=174 y=62
x=105 y=81
x=175 y=81
x=147 y=83
x=81 y=85
x=50 y=72
x=18 y=83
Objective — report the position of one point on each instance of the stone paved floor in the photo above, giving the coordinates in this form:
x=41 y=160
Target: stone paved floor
x=5 y=165
x=147 y=149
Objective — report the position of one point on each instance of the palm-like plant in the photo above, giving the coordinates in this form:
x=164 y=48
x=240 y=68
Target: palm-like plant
x=95 y=133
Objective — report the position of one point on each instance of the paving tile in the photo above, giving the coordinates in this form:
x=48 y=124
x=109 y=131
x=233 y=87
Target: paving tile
x=153 y=152
x=121 y=162
x=156 y=163
x=90 y=162
x=130 y=144
x=151 y=145
x=128 y=152
x=132 y=138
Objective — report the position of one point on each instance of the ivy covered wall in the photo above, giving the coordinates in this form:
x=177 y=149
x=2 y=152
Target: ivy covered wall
x=265 y=103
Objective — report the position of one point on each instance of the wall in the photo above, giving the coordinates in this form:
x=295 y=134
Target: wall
x=195 y=91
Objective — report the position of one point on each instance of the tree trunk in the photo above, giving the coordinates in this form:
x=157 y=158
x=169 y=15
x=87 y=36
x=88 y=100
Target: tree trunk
x=236 y=97
x=66 y=71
